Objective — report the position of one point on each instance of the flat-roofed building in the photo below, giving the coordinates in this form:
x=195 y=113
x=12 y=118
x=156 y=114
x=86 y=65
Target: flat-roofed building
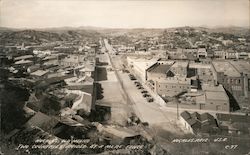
x=242 y=55
x=140 y=65
x=172 y=86
x=179 y=68
x=220 y=54
x=230 y=54
x=72 y=60
x=204 y=72
x=231 y=75
x=40 y=74
x=244 y=68
x=159 y=70
x=214 y=98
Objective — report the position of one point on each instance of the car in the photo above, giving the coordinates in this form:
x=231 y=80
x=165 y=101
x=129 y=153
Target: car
x=136 y=82
x=126 y=71
x=140 y=87
x=132 y=78
x=150 y=99
x=146 y=95
x=144 y=91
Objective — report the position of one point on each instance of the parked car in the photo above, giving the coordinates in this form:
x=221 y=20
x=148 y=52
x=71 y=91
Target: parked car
x=150 y=99
x=140 y=87
x=144 y=91
x=132 y=77
x=146 y=95
x=136 y=82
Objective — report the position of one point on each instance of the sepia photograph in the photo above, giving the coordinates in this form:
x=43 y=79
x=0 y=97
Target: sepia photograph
x=125 y=77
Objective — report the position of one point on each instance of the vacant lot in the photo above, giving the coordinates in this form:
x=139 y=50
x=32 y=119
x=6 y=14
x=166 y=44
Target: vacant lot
x=101 y=74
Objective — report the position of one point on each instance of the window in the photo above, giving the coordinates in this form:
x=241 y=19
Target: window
x=225 y=103
x=239 y=81
x=211 y=103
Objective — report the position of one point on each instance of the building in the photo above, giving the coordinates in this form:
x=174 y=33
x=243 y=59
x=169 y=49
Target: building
x=242 y=55
x=172 y=86
x=234 y=76
x=244 y=68
x=214 y=98
x=234 y=124
x=230 y=54
x=159 y=70
x=40 y=74
x=179 y=68
x=204 y=72
x=176 y=55
x=197 y=123
x=220 y=54
x=201 y=53
x=24 y=57
x=139 y=66
x=72 y=60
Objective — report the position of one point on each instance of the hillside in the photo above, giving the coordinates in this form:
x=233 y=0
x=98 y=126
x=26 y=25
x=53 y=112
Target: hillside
x=37 y=36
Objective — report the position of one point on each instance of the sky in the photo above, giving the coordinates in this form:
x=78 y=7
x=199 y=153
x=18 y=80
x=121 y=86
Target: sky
x=123 y=13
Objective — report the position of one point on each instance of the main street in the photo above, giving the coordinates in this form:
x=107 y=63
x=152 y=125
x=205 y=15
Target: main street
x=147 y=112
x=112 y=93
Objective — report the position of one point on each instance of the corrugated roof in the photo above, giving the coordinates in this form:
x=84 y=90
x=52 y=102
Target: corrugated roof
x=160 y=68
x=186 y=115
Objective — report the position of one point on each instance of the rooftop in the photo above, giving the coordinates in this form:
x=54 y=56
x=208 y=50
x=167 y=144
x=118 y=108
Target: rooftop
x=39 y=72
x=180 y=64
x=199 y=122
x=199 y=65
x=143 y=65
x=207 y=87
x=242 y=66
x=23 y=62
x=159 y=68
x=23 y=57
x=216 y=95
x=233 y=118
x=226 y=68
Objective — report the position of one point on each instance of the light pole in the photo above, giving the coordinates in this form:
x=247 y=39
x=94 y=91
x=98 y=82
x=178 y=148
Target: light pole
x=177 y=108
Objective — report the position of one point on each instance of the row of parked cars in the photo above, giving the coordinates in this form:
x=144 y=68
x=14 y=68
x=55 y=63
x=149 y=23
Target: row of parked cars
x=132 y=77
x=139 y=86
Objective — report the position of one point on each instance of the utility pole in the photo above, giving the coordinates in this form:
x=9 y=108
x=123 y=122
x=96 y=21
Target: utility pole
x=177 y=105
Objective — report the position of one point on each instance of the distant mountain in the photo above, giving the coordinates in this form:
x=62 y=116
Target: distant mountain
x=38 y=36
x=8 y=35
x=231 y=30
